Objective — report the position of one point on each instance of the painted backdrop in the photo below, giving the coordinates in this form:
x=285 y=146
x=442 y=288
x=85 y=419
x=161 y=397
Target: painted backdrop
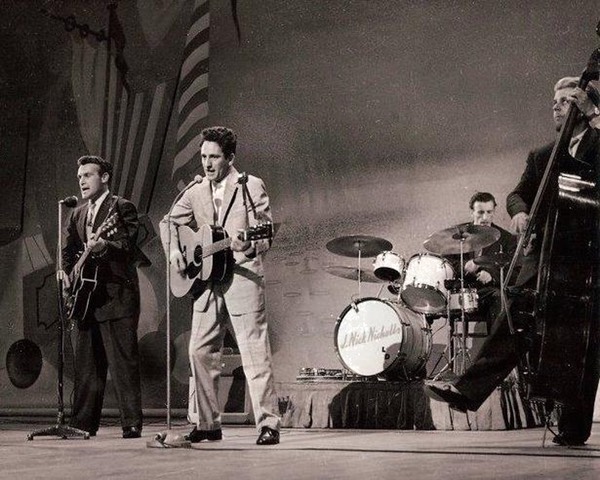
x=363 y=117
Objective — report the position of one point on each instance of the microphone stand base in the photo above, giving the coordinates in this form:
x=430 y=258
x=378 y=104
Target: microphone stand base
x=59 y=430
x=168 y=440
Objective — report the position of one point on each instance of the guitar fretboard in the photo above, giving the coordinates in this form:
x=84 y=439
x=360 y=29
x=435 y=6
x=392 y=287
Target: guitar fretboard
x=216 y=247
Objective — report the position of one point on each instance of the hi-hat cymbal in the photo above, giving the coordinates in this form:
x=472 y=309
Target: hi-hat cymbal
x=472 y=237
x=351 y=245
x=498 y=259
x=351 y=273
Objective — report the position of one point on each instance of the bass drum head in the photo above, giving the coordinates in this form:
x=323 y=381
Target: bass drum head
x=368 y=336
x=376 y=337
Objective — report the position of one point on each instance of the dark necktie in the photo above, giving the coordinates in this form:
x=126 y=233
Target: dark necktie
x=89 y=224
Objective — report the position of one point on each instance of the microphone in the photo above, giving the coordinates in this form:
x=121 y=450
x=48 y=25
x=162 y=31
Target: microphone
x=69 y=202
x=197 y=179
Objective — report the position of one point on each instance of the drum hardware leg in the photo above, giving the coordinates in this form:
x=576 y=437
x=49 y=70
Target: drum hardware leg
x=548 y=409
x=462 y=310
x=444 y=369
x=448 y=352
x=503 y=302
x=359 y=270
x=450 y=337
x=450 y=362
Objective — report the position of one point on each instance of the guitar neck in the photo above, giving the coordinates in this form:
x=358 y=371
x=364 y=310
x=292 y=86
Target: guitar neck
x=104 y=226
x=216 y=247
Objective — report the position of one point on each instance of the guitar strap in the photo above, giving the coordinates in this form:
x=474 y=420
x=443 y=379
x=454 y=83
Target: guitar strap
x=113 y=199
x=243 y=180
x=230 y=205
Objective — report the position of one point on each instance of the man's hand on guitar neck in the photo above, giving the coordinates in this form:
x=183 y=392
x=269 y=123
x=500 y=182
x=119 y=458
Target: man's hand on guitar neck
x=238 y=245
x=176 y=259
x=96 y=244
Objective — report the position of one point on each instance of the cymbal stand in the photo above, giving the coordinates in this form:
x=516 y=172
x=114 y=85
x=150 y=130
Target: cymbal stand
x=451 y=336
x=503 y=301
x=463 y=347
x=358 y=244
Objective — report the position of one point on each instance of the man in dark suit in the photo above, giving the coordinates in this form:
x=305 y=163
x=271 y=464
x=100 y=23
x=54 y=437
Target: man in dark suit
x=502 y=350
x=485 y=279
x=105 y=225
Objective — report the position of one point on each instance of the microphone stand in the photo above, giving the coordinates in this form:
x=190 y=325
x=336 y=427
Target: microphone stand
x=60 y=429
x=196 y=181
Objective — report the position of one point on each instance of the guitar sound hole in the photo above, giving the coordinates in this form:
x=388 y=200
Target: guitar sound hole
x=198 y=254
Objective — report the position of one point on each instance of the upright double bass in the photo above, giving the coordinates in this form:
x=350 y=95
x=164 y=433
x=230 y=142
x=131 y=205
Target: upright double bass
x=565 y=300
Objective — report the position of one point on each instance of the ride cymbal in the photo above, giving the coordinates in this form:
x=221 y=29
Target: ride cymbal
x=351 y=245
x=351 y=273
x=471 y=237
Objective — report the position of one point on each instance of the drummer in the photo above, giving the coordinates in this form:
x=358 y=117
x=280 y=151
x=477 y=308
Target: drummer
x=482 y=268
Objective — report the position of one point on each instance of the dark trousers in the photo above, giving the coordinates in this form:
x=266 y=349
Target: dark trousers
x=502 y=351
x=490 y=305
x=498 y=355
x=101 y=346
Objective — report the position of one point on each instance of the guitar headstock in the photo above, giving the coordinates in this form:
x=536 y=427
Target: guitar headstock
x=107 y=228
x=257 y=232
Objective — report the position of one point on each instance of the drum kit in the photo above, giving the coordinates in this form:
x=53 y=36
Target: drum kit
x=391 y=338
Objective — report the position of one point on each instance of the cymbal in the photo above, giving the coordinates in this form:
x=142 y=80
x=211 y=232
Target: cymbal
x=351 y=273
x=472 y=237
x=498 y=259
x=350 y=246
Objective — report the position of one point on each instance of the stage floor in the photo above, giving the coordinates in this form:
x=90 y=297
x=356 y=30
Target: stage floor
x=302 y=454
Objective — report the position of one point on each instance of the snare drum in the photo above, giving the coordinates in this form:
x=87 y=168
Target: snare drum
x=377 y=337
x=424 y=289
x=388 y=266
x=467 y=297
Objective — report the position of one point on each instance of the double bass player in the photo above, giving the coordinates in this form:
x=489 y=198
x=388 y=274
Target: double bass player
x=503 y=350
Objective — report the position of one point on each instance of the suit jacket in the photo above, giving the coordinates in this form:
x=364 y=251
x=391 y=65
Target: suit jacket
x=244 y=290
x=117 y=292
x=521 y=198
x=506 y=243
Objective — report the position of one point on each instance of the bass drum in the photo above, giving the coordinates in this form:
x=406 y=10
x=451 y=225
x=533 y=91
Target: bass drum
x=376 y=337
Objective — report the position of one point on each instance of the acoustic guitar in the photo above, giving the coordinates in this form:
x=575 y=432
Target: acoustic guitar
x=84 y=277
x=207 y=256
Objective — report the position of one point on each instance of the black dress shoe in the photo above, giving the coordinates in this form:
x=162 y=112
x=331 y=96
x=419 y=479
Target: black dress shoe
x=268 y=436
x=196 y=436
x=565 y=441
x=442 y=392
x=132 y=432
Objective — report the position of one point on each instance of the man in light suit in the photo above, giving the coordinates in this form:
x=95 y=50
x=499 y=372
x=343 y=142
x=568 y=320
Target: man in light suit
x=235 y=202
